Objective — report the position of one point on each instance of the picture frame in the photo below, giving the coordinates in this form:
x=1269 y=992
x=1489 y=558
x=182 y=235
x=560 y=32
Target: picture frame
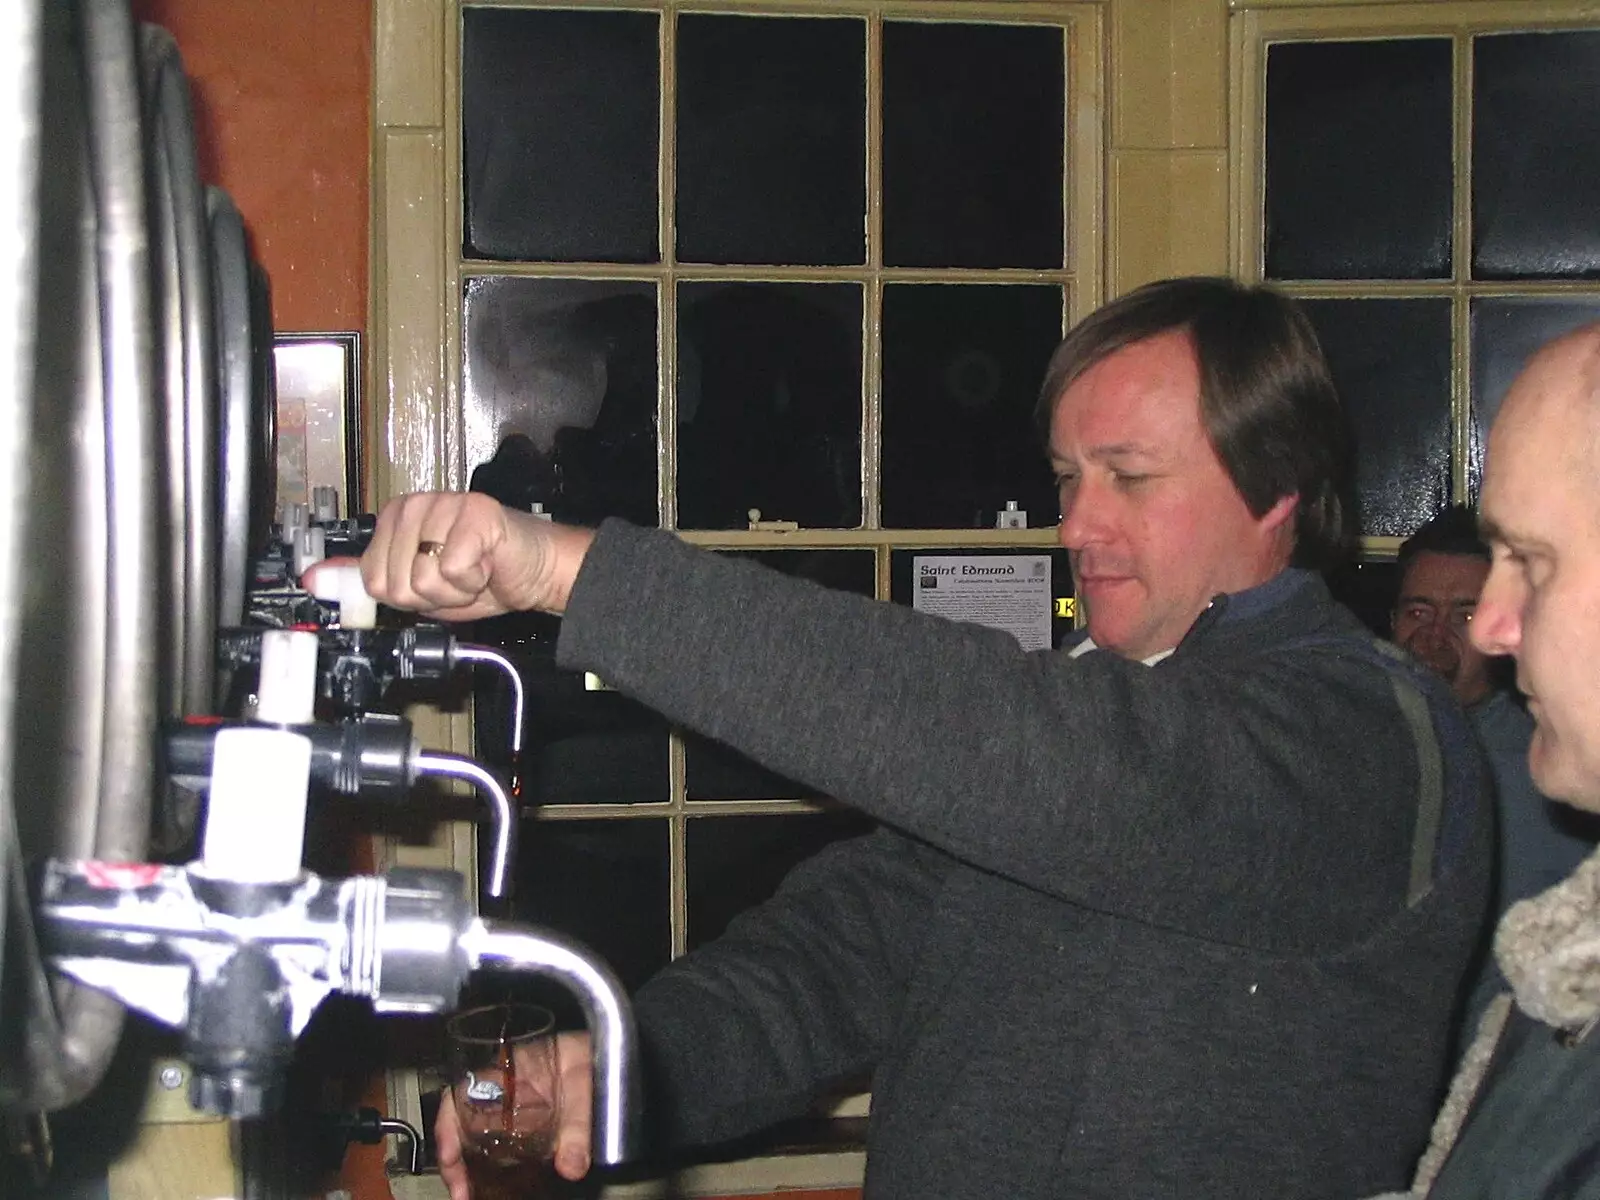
x=317 y=378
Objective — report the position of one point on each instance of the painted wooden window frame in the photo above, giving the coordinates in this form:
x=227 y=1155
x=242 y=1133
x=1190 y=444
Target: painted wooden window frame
x=1257 y=24
x=415 y=437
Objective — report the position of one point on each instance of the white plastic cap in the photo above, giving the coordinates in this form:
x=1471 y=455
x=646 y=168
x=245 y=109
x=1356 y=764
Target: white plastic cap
x=287 y=693
x=325 y=504
x=342 y=585
x=295 y=517
x=310 y=546
x=256 y=813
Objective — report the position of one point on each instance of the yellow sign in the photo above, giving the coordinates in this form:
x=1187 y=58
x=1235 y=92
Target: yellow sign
x=1066 y=606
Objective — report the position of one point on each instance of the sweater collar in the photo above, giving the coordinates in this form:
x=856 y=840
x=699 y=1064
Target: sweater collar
x=1226 y=608
x=1549 y=948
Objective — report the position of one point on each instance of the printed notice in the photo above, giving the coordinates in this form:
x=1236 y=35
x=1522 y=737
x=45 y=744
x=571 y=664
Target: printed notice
x=1002 y=591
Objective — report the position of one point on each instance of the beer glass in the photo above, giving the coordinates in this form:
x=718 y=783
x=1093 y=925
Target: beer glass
x=506 y=1090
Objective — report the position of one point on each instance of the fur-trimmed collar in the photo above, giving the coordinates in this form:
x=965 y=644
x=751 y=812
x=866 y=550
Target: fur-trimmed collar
x=1549 y=948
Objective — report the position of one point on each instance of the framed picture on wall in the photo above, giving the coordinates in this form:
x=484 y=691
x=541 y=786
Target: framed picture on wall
x=318 y=379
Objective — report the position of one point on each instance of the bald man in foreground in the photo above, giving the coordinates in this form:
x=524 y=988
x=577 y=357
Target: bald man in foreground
x=1523 y=1118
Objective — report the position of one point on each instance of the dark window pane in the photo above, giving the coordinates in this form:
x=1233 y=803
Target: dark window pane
x=769 y=404
x=973 y=144
x=1359 y=160
x=1536 y=156
x=961 y=374
x=716 y=772
x=735 y=863
x=579 y=746
x=566 y=368
x=1505 y=333
x=604 y=883
x=1391 y=364
x=1367 y=589
x=771 y=140
x=560 y=117
x=902 y=576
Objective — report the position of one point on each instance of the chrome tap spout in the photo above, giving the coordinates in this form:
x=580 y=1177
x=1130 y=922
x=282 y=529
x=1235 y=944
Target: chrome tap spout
x=497 y=945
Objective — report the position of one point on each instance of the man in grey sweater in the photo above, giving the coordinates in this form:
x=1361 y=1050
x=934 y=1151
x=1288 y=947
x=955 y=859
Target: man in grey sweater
x=1177 y=911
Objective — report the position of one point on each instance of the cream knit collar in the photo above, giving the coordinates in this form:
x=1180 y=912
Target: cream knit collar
x=1549 y=948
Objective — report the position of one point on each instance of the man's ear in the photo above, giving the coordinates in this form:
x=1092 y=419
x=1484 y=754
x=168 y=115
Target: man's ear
x=1281 y=513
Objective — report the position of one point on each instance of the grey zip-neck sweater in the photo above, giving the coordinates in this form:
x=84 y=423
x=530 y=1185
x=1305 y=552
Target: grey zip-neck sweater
x=1190 y=930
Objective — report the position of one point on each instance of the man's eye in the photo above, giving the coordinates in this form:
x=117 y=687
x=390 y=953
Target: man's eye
x=1128 y=478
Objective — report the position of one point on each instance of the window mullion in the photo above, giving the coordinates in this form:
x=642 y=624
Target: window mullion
x=872 y=301
x=667 y=290
x=1461 y=256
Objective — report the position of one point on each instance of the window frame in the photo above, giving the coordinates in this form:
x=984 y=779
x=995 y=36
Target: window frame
x=1255 y=26
x=415 y=434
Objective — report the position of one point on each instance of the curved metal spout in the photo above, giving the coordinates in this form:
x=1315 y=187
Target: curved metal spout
x=469 y=652
x=456 y=766
x=498 y=945
x=394 y=1127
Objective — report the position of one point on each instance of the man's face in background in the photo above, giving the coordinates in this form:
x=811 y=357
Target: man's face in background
x=1432 y=617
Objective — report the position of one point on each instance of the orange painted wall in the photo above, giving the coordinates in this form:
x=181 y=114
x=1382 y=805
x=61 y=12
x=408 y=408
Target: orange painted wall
x=282 y=95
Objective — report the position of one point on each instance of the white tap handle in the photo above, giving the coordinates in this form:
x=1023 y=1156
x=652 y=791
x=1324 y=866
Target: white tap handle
x=256 y=810
x=310 y=546
x=342 y=584
x=287 y=692
x=325 y=504
x=295 y=517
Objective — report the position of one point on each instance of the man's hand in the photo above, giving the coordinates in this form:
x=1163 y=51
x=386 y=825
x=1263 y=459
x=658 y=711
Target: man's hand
x=459 y=556
x=574 y=1113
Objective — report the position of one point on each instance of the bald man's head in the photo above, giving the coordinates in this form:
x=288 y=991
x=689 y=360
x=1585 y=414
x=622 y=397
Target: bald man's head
x=1541 y=514
x=1559 y=383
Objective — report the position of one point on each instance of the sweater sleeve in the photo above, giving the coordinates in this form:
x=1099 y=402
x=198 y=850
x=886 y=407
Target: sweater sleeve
x=799 y=994
x=1263 y=799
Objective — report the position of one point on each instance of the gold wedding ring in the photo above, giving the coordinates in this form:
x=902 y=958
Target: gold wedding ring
x=431 y=549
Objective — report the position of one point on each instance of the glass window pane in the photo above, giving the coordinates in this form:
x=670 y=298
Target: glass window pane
x=1536 y=156
x=961 y=372
x=771 y=140
x=1367 y=589
x=1505 y=333
x=565 y=369
x=604 y=883
x=1359 y=160
x=973 y=145
x=769 y=404
x=560 y=125
x=902 y=576
x=1391 y=364
x=716 y=772
x=579 y=746
x=735 y=863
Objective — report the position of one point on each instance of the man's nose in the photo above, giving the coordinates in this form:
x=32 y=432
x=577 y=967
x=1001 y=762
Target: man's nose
x=1497 y=621
x=1437 y=627
x=1082 y=516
